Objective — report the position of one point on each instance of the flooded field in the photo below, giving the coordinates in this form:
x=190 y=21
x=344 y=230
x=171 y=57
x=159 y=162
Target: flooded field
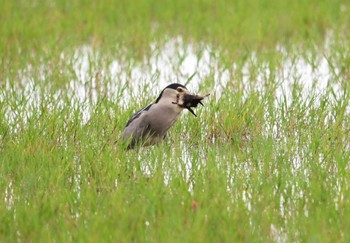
x=267 y=158
x=93 y=77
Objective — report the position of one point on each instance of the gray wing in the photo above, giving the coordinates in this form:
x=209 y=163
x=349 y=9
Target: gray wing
x=137 y=128
x=137 y=114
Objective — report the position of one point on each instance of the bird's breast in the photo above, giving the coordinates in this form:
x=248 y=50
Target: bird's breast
x=162 y=118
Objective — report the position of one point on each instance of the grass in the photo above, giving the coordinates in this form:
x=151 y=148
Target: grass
x=255 y=166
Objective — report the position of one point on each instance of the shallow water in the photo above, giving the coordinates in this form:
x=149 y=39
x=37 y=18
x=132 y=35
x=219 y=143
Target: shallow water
x=177 y=62
x=123 y=80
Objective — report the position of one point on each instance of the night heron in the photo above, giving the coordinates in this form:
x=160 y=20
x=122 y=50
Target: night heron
x=149 y=125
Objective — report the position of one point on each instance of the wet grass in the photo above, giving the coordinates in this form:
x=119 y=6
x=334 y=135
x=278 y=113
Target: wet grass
x=263 y=162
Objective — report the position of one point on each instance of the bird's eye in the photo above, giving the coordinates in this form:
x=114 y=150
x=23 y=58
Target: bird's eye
x=180 y=90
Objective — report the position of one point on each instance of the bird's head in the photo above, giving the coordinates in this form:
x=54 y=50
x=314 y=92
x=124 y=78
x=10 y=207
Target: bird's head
x=178 y=94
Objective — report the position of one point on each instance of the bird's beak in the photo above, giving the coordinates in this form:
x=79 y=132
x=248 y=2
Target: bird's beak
x=192 y=100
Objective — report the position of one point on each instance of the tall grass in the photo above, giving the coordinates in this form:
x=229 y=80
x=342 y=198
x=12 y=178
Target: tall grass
x=256 y=165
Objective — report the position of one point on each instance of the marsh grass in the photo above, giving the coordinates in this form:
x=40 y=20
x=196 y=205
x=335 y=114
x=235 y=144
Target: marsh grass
x=267 y=159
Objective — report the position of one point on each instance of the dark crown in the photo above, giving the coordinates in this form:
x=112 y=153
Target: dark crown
x=170 y=86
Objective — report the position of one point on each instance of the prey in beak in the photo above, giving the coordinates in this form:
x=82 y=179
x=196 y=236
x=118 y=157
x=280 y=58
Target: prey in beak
x=190 y=101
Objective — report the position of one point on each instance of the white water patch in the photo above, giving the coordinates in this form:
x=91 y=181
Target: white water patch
x=9 y=196
x=312 y=75
x=313 y=79
x=24 y=98
x=172 y=62
x=125 y=80
x=75 y=182
x=278 y=234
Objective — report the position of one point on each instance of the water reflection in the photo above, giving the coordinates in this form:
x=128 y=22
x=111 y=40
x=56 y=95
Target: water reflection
x=93 y=77
x=124 y=80
x=9 y=196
